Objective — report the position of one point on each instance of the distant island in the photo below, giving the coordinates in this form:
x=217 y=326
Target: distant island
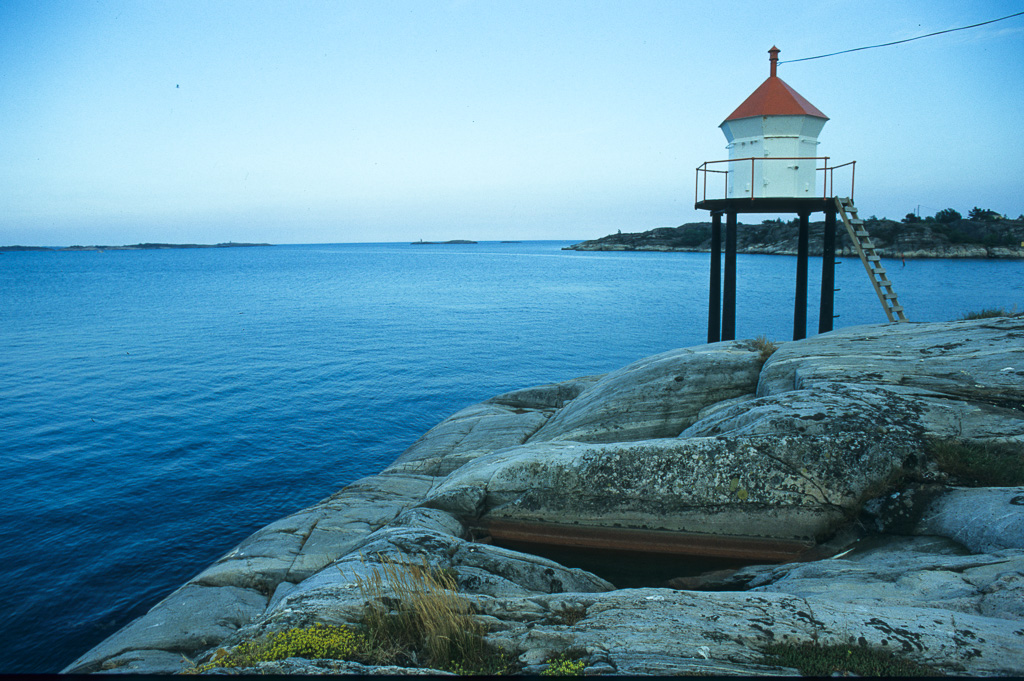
x=984 y=236
x=132 y=247
x=421 y=242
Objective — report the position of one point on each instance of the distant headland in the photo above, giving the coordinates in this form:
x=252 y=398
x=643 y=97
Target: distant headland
x=132 y=247
x=982 y=235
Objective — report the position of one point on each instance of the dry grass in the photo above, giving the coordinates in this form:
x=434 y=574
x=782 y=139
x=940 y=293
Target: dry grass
x=764 y=348
x=990 y=312
x=415 y=615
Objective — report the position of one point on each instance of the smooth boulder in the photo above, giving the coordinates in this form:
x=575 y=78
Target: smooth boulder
x=657 y=396
x=792 y=487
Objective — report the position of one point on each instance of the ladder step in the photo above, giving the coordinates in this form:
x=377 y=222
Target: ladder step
x=856 y=228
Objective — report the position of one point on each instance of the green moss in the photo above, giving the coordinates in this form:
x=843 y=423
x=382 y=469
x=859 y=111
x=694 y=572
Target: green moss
x=320 y=641
x=565 y=664
x=980 y=464
x=812 y=659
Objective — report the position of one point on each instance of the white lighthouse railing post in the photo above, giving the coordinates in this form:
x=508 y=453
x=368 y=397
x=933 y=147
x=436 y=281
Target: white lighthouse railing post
x=828 y=175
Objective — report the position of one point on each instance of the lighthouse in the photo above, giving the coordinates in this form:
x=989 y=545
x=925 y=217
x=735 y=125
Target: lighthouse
x=773 y=168
x=775 y=122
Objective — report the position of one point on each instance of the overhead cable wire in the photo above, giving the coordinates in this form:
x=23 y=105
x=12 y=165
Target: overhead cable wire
x=905 y=40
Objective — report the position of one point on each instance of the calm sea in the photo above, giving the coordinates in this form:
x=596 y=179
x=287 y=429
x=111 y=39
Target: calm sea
x=156 y=407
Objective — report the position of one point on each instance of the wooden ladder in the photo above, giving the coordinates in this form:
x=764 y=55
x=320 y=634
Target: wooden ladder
x=872 y=263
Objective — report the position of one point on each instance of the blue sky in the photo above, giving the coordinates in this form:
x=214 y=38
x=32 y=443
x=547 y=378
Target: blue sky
x=314 y=122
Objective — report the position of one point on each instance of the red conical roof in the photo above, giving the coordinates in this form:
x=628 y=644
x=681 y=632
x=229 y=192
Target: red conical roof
x=775 y=98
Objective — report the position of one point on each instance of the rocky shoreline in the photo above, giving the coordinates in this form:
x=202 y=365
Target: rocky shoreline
x=715 y=456
x=961 y=239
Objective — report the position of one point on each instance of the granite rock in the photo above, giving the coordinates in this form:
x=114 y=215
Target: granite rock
x=827 y=441
x=794 y=487
x=181 y=623
x=984 y=519
x=656 y=397
x=978 y=361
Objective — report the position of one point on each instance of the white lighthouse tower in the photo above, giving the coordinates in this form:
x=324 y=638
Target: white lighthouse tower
x=776 y=123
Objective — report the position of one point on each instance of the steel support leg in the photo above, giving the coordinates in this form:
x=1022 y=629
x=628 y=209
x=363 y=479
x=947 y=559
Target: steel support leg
x=715 y=288
x=729 y=288
x=828 y=273
x=800 y=306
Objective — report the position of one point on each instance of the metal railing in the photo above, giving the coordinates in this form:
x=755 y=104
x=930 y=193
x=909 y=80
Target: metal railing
x=828 y=175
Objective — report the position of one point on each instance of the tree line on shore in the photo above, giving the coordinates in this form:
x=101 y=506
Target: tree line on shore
x=942 y=233
x=945 y=216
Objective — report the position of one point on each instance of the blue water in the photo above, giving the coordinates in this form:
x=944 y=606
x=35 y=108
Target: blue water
x=156 y=407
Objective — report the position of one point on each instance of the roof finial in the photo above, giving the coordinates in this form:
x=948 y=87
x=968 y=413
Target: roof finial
x=774 y=59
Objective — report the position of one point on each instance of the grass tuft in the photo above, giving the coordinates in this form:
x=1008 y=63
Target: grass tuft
x=989 y=312
x=812 y=659
x=764 y=348
x=415 y=615
x=980 y=464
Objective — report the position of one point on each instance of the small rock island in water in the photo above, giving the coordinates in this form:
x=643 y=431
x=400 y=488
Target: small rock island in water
x=421 y=242
x=736 y=508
